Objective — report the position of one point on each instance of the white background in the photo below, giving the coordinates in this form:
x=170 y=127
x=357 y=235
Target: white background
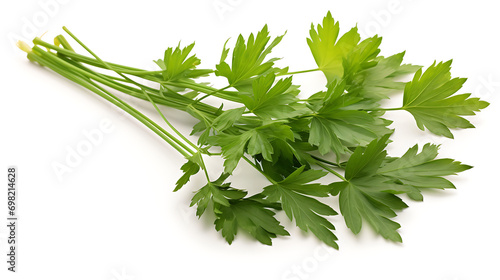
x=115 y=217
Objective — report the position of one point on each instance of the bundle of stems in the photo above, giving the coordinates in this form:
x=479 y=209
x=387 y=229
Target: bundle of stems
x=292 y=142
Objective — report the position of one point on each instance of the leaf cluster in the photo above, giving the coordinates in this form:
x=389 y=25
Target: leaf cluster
x=331 y=144
x=289 y=140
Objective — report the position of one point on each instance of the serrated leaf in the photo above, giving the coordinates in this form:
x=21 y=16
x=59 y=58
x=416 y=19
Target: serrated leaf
x=262 y=137
x=373 y=180
x=429 y=98
x=190 y=168
x=227 y=119
x=341 y=58
x=382 y=80
x=357 y=202
x=336 y=128
x=248 y=59
x=367 y=196
x=233 y=148
x=422 y=170
x=365 y=162
x=305 y=210
x=271 y=100
x=251 y=216
x=177 y=65
x=361 y=57
x=215 y=192
x=254 y=141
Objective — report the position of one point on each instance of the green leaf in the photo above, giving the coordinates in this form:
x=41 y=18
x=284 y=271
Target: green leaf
x=208 y=193
x=217 y=193
x=336 y=128
x=250 y=216
x=254 y=141
x=365 y=162
x=358 y=201
x=178 y=65
x=382 y=80
x=287 y=157
x=342 y=129
x=263 y=136
x=248 y=59
x=322 y=134
x=367 y=196
x=190 y=168
x=343 y=57
x=362 y=56
x=204 y=126
x=373 y=180
x=422 y=170
x=268 y=101
x=282 y=133
x=429 y=98
x=234 y=212
x=294 y=193
x=232 y=146
x=327 y=52
x=227 y=119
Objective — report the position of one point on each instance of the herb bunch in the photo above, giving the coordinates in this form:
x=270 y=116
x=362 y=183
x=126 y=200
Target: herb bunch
x=292 y=142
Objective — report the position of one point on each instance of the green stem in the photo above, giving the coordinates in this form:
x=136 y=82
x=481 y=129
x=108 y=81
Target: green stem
x=173 y=100
x=228 y=95
x=67 y=66
x=78 y=70
x=59 y=39
x=212 y=93
x=325 y=161
x=325 y=167
x=204 y=167
x=79 y=57
x=180 y=102
x=299 y=72
x=387 y=109
x=170 y=124
x=221 y=93
x=144 y=90
x=156 y=126
x=85 y=82
x=260 y=171
x=112 y=82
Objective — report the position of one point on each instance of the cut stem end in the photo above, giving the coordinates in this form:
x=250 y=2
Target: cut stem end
x=24 y=46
